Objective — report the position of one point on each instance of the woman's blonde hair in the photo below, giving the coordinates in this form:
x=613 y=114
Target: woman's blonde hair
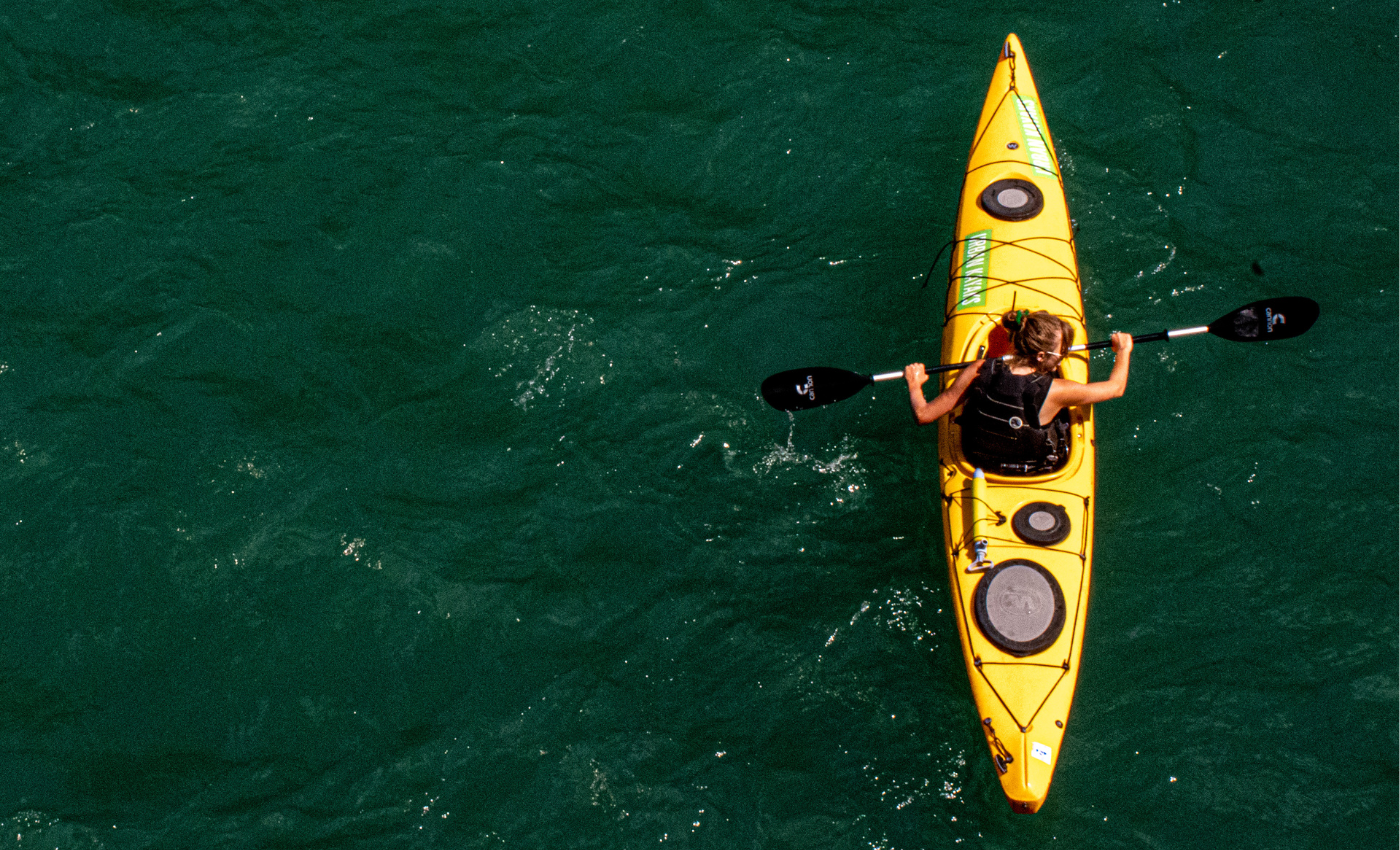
x=1032 y=333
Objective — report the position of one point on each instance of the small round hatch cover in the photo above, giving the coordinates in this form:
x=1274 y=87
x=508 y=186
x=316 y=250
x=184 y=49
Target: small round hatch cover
x=1041 y=523
x=1013 y=200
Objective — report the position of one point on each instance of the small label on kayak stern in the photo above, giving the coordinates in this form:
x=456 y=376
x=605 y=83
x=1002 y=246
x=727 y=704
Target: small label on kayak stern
x=1036 y=147
x=972 y=289
x=1040 y=751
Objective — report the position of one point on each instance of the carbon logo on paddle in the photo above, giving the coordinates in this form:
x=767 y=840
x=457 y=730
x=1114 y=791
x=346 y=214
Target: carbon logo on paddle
x=1271 y=318
x=972 y=292
x=809 y=390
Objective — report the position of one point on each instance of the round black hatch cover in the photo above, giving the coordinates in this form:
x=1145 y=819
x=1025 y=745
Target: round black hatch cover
x=1019 y=607
x=1041 y=523
x=1013 y=200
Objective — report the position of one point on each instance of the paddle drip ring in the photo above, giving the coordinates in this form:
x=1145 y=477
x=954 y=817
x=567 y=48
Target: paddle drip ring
x=1019 y=607
x=1012 y=200
x=1041 y=523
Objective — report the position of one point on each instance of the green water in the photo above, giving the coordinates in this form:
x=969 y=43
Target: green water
x=383 y=462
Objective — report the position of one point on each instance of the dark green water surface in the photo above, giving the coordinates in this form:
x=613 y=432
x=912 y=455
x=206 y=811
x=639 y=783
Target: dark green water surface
x=383 y=465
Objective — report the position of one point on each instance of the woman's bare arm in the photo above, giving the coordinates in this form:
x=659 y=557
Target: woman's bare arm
x=926 y=412
x=1065 y=393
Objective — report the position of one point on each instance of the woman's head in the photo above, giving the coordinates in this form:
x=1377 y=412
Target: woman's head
x=1038 y=338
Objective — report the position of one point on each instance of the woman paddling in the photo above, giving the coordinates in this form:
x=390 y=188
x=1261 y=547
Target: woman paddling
x=1016 y=420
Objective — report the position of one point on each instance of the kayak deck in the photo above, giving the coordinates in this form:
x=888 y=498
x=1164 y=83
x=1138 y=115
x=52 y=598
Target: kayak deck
x=1015 y=250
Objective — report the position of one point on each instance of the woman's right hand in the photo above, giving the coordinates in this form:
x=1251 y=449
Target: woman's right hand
x=1122 y=343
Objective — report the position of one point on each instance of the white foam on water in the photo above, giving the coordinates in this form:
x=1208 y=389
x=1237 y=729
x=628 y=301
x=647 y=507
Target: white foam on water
x=847 y=477
x=548 y=351
x=30 y=828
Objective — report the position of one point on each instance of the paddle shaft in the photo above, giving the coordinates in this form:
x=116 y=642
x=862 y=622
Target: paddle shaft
x=1088 y=346
x=1282 y=317
x=1157 y=337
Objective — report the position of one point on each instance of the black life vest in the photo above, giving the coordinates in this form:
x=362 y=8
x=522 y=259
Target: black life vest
x=1001 y=430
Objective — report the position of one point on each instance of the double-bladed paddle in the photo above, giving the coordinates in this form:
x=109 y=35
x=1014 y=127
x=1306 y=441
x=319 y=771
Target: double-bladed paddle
x=1260 y=321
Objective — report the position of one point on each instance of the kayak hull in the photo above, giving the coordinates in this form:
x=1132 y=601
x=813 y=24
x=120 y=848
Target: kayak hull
x=1008 y=259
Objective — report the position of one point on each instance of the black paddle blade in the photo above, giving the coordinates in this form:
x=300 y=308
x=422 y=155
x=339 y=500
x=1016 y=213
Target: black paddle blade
x=800 y=389
x=1273 y=318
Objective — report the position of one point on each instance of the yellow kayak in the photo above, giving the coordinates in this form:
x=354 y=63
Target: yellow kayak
x=1019 y=547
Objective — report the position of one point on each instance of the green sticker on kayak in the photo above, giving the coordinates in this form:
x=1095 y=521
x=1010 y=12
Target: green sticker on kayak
x=1034 y=139
x=972 y=289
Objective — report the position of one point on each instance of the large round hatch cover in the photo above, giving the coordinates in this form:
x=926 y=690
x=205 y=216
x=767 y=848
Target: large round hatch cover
x=1019 y=607
x=1041 y=523
x=1012 y=200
